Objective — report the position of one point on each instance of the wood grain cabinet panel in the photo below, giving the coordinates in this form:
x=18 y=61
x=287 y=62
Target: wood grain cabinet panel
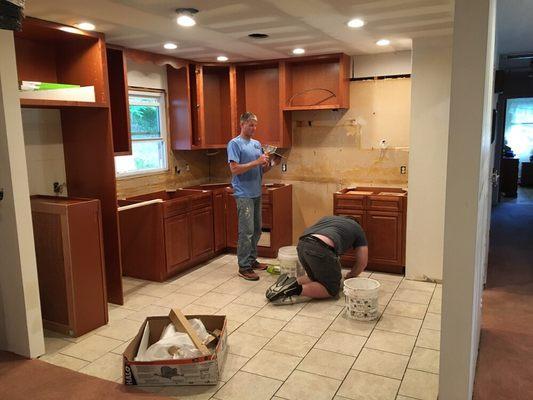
x=381 y=212
x=219 y=219
x=177 y=245
x=70 y=263
x=201 y=225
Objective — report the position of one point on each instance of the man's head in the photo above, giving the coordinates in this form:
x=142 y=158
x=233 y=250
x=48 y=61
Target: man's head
x=248 y=124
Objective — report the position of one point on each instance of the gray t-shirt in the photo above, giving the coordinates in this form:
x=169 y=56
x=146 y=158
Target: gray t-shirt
x=344 y=232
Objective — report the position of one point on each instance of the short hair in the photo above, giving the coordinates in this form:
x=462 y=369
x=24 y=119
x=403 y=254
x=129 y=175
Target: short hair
x=247 y=117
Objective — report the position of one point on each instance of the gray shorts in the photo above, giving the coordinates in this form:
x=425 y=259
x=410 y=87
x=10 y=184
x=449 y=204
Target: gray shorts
x=320 y=263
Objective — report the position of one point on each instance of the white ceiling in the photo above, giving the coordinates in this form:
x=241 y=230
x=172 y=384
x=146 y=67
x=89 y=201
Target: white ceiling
x=223 y=25
x=514 y=26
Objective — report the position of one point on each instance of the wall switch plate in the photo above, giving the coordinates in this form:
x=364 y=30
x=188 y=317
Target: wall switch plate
x=283 y=167
x=187 y=168
x=403 y=170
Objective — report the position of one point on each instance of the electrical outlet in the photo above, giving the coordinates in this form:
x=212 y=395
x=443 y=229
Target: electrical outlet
x=177 y=170
x=403 y=170
x=187 y=168
x=283 y=167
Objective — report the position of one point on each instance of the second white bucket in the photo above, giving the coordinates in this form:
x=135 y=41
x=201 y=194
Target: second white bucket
x=288 y=261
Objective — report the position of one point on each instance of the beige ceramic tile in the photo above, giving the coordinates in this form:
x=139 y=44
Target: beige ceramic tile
x=412 y=296
x=363 y=386
x=307 y=326
x=175 y=300
x=284 y=313
x=437 y=294
x=265 y=327
x=348 y=325
x=138 y=301
x=303 y=385
x=321 y=309
x=196 y=288
x=232 y=325
x=429 y=339
x=339 y=342
x=403 y=398
x=251 y=298
x=395 y=323
x=425 y=360
x=291 y=343
x=245 y=386
x=435 y=305
x=420 y=385
x=91 y=348
x=235 y=286
x=418 y=285
x=326 y=363
x=64 y=361
x=381 y=363
x=384 y=298
x=215 y=300
x=121 y=348
x=387 y=285
x=123 y=329
x=245 y=345
x=387 y=277
x=55 y=344
x=217 y=278
x=232 y=364
x=432 y=321
x=156 y=289
x=392 y=342
x=238 y=312
x=148 y=311
x=107 y=367
x=405 y=309
x=119 y=313
x=272 y=364
x=196 y=309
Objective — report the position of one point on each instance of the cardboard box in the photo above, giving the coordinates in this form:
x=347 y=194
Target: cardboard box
x=204 y=370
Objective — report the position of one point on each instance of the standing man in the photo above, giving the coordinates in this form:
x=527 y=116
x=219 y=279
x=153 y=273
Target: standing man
x=247 y=163
x=319 y=249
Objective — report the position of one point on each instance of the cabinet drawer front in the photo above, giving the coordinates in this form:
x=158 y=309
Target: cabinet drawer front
x=175 y=207
x=201 y=201
x=385 y=203
x=354 y=202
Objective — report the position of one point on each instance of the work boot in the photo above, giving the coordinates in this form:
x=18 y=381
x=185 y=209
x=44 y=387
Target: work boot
x=260 y=266
x=248 y=274
x=284 y=286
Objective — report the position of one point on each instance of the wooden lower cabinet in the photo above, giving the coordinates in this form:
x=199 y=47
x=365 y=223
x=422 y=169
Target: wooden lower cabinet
x=70 y=263
x=161 y=239
x=381 y=212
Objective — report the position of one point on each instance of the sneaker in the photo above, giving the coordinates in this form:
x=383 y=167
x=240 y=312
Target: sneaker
x=249 y=275
x=259 y=266
x=288 y=300
x=284 y=286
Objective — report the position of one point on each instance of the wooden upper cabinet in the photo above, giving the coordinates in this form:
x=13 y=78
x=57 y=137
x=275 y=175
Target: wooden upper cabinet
x=200 y=107
x=46 y=53
x=256 y=88
x=118 y=99
x=315 y=82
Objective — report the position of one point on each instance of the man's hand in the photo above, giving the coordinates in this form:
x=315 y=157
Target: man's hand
x=263 y=160
x=350 y=275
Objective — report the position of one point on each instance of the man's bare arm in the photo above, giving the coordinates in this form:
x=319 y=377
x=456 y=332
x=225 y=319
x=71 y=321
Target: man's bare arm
x=237 y=169
x=361 y=260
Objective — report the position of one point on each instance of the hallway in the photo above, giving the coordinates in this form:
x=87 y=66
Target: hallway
x=504 y=368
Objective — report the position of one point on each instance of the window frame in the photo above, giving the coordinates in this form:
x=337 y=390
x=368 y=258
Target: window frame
x=164 y=138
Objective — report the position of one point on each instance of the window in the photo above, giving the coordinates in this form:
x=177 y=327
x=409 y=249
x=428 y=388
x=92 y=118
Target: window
x=519 y=127
x=148 y=135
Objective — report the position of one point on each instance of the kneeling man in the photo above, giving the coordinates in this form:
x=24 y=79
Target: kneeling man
x=319 y=249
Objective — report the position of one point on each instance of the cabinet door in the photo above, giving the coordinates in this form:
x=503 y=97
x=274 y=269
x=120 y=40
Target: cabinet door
x=385 y=237
x=201 y=223
x=177 y=245
x=231 y=221
x=219 y=220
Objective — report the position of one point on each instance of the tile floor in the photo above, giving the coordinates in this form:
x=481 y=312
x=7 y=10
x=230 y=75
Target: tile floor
x=307 y=350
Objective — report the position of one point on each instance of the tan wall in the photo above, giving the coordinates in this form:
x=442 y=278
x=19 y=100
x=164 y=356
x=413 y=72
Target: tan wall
x=327 y=152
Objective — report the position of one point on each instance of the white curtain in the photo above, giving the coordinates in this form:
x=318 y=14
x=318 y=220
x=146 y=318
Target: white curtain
x=519 y=127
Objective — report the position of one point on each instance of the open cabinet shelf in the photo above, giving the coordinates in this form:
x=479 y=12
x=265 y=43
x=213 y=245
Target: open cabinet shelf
x=50 y=52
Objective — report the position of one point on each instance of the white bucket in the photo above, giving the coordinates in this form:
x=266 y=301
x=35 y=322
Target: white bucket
x=288 y=261
x=362 y=298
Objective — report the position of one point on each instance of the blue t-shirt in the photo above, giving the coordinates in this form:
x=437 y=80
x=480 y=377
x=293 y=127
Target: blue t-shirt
x=243 y=151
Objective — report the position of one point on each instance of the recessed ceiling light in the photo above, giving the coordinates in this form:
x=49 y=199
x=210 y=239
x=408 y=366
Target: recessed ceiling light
x=186 y=16
x=86 y=26
x=222 y=58
x=356 y=23
x=298 y=51
x=383 y=42
x=170 y=46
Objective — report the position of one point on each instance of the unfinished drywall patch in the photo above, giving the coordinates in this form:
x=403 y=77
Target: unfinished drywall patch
x=327 y=152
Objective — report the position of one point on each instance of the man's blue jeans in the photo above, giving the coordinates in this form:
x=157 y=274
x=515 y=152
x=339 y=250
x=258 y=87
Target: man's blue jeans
x=249 y=213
